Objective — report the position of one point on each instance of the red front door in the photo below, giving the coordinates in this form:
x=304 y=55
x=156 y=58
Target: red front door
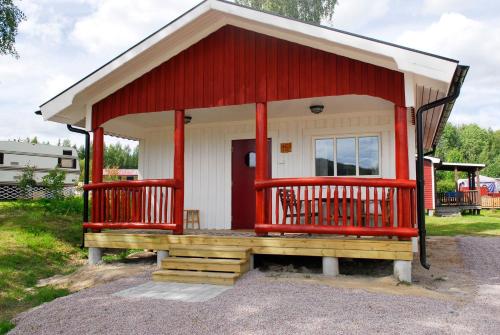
x=243 y=178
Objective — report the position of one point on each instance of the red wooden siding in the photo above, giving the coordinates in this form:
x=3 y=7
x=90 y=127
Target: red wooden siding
x=428 y=186
x=234 y=66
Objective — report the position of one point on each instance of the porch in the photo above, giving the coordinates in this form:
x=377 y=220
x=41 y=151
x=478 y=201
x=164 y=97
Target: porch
x=221 y=256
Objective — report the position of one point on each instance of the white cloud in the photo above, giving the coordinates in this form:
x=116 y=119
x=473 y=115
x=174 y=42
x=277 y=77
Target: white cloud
x=474 y=43
x=442 y=6
x=354 y=14
x=117 y=24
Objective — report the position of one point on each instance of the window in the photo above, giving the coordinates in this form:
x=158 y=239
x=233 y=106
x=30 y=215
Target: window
x=347 y=156
x=1 y=157
x=324 y=157
x=67 y=163
x=368 y=156
x=68 y=152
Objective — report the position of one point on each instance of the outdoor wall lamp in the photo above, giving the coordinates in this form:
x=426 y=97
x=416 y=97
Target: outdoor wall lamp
x=187 y=119
x=316 y=109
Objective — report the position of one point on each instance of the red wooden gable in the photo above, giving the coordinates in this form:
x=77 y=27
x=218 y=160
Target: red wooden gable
x=235 y=66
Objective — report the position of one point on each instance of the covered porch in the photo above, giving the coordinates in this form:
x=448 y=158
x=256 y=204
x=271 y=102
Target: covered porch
x=466 y=197
x=293 y=174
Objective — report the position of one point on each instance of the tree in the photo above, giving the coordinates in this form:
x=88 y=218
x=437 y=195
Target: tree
x=312 y=11
x=10 y=17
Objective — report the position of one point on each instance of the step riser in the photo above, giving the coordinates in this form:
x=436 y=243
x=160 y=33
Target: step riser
x=194 y=280
x=208 y=253
x=237 y=268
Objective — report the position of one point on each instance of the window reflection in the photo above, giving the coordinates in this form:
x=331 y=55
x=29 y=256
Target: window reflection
x=368 y=156
x=324 y=157
x=346 y=156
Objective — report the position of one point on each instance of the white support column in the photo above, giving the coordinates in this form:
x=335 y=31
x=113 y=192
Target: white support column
x=160 y=256
x=402 y=271
x=95 y=256
x=330 y=266
x=252 y=262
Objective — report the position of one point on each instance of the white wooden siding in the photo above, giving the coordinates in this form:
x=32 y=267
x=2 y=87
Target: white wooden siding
x=208 y=154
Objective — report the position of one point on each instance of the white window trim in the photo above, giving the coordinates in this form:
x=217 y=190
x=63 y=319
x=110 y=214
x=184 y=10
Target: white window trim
x=356 y=137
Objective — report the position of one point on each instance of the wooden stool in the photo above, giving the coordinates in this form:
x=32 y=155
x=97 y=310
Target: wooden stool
x=192 y=217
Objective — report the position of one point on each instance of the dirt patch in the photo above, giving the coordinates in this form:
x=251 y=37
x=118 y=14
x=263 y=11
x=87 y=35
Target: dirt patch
x=448 y=273
x=92 y=275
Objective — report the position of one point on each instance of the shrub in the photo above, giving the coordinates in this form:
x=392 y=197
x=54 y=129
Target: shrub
x=54 y=182
x=27 y=179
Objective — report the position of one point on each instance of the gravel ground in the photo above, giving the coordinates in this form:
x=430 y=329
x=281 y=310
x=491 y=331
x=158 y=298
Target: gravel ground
x=259 y=304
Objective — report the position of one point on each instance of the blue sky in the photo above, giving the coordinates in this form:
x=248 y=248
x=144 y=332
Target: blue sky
x=63 y=40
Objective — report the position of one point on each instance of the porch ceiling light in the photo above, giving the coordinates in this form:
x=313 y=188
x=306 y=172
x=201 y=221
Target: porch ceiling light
x=316 y=109
x=187 y=119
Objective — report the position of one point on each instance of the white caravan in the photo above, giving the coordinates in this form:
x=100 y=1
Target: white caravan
x=15 y=156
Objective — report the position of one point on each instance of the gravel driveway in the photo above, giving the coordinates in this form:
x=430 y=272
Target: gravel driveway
x=259 y=304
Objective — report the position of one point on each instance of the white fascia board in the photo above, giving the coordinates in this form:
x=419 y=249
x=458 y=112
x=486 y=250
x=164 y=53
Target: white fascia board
x=434 y=160
x=464 y=164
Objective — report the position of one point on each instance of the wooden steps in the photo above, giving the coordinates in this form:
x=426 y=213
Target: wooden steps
x=204 y=264
x=216 y=278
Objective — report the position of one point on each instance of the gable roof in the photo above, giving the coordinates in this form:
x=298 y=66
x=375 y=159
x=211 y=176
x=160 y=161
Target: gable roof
x=73 y=105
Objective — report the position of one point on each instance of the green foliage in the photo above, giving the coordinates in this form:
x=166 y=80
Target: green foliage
x=27 y=179
x=312 y=11
x=5 y=326
x=54 y=182
x=122 y=157
x=446 y=184
x=468 y=144
x=10 y=17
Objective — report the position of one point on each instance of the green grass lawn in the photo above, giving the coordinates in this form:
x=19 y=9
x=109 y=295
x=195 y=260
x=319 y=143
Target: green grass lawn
x=486 y=224
x=38 y=239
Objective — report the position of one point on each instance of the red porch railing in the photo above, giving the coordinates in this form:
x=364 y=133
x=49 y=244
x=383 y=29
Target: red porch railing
x=346 y=206
x=141 y=204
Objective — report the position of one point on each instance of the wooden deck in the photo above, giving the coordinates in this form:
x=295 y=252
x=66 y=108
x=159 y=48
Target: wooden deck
x=274 y=244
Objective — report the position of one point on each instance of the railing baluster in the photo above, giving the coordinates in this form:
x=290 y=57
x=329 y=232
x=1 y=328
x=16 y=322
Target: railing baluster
x=336 y=206
x=351 y=203
x=358 y=207
x=367 y=202
x=299 y=206
x=277 y=208
x=329 y=205
x=375 y=207
x=160 y=212
x=344 y=207
x=391 y=205
x=384 y=208
x=320 y=206
x=306 y=198
x=313 y=206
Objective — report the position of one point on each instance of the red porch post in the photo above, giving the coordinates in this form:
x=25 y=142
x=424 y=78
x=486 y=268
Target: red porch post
x=261 y=165
x=179 y=171
x=98 y=155
x=401 y=137
x=402 y=170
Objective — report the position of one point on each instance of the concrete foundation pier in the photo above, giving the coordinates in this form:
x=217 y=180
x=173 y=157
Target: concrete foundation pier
x=95 y=256
x=402 y=271
x=330 y=266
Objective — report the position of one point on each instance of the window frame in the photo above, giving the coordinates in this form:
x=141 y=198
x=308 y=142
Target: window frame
x=356 y=137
